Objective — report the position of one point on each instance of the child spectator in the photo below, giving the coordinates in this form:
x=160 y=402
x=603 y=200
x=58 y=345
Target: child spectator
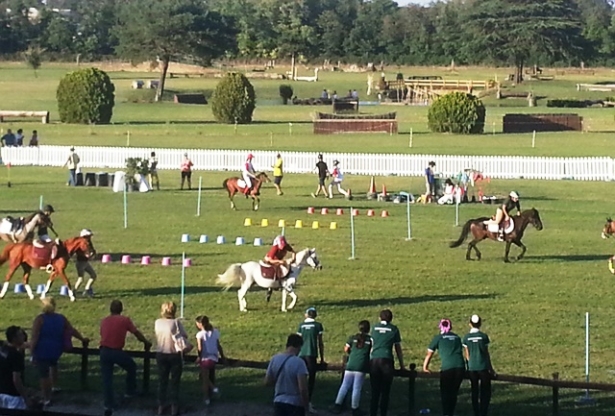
x=34 y=139
x=209 y=350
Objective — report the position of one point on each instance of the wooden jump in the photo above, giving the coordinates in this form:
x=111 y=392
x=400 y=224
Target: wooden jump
x=185 y=74
x=596 y=87
x=44 y=115
x=448 y=84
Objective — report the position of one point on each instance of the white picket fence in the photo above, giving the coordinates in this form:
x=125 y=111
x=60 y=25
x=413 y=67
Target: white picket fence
x=506 y=167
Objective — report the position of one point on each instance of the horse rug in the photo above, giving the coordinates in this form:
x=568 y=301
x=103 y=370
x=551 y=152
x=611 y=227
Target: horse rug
x=507 y=225
x=274 y=272
x=9 y=223
x=44 y=252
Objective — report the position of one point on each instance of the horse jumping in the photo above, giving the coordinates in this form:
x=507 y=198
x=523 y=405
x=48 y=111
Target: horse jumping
x=247 y=274
x=480 y=232
x=237 y=185
x=26 y=231
x=29 y=257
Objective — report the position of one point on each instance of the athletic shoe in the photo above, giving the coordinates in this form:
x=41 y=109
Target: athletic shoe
x=313 y=195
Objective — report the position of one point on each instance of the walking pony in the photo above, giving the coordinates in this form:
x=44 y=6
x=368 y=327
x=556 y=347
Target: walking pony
x=53 y=257
x=26 y=229
x=609 y=228
x=513 y=233
x=252 y=272
x=236 y=185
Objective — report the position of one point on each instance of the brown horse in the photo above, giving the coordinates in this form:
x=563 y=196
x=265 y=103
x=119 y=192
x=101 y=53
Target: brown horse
x=29 y=257
x=609 y=228
x=480 y=232
x=233 y=186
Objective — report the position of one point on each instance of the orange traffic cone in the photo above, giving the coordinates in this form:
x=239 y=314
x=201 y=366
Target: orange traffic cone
x=371 y=194
x=384 y=190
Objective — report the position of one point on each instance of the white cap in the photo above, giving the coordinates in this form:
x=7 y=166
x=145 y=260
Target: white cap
x=85 y=233
x=475 y=319
x=513 y=194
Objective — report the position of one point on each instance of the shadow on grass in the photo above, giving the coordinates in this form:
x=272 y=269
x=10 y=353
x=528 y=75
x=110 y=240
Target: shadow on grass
x=407 y=300
x=136 y=257
x=161 y=291
x=564 y=257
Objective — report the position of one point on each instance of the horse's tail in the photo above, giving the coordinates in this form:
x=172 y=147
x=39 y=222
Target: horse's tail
x=464 y=234
x=224 y=184
x=231 y=277
x=6 y=253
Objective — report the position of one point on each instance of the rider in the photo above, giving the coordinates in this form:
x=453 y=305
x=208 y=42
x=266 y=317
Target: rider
x=277 y=252
x=84 y=266
x=248 y=174
x=503 y=212
x=42 y=229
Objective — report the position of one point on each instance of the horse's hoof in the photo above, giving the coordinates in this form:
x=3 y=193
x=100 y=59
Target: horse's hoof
x=72 y=299
x=506 y=261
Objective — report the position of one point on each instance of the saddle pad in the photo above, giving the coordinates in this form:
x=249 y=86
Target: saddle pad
x=42 y=253
x=5 y=226
x=241 y=183
x=38 y=244
x=268 y=272
x=509 y=226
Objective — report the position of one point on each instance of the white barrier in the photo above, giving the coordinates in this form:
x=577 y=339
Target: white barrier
x=505 y=167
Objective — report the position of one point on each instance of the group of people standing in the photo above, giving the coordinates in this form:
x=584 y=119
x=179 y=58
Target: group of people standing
x=11 y=139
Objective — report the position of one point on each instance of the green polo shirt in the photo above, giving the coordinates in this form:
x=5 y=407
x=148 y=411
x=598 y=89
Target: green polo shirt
x=476 y=342
x=384 y=336
x=358 y=359
x=309 y=331
x=449 y=348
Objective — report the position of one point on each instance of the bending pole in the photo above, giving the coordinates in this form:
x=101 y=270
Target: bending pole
x=183 y=286
x=586 y=399
x=352 y=245
x=125 y=207
x=198 y=202
x=407 y=195
x=40 y=203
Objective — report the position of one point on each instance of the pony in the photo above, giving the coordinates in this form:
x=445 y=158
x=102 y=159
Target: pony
x=26 y=231
x=30 y=255
x=609 y=228
x=480 y=232
x=237 y=185
x=247 y=274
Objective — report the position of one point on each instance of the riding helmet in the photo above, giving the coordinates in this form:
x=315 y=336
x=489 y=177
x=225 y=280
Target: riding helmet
x=250 y=156
x=48 y=208
x=86 y=233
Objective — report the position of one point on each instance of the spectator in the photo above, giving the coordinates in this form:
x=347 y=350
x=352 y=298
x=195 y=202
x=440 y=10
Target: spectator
x=453 y=366
x=355 y=94
x=169 y=361
x=210 y=350
x=51 y=335
x=72 y=163
x=324 y=95
x=430 y=181
x=311 y=333
x=186 y=171
x=278 y=173
x=113 y=330
x=349 y=94
x=323 y=172
x=358 y=348
x=385 y=337
x=153 y=171
x=334 y=96
x=337 y=178
x=83 y=266
x=480 y=369
x=19 y=138
x=34 y=139
x=8 y=139
x=449 y=193
x=13 y=394
x=288 y=374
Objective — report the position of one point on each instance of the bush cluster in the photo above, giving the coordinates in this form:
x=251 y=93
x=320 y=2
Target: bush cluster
x=234 y=99
x=86 y=96
x=457 y=112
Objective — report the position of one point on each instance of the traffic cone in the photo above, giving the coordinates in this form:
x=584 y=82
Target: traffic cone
x=370 y=212
x=315 y=225
x=339 y=211
x=333 y=226
x=264 y=222
x=310 y=210
x=384 y=214
x=324 y=211
x=247 y=222
x=371 y=193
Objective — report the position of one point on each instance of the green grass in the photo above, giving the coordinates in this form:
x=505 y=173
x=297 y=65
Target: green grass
x=533 y=310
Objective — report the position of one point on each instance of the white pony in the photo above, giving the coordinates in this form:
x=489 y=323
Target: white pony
x=247 y=274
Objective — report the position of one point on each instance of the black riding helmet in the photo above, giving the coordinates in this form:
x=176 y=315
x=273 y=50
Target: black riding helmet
x=48 y=208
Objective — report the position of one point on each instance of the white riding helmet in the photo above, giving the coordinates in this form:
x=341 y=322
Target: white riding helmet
x=515 y=195
x=86 y=233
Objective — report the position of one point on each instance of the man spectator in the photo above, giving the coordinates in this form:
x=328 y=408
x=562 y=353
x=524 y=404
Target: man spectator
x=311 y=334
x=430 y=181
x=13 y=394
x=34 y=139
x=323 y=172
x=278 y=173
x=288 y=374
x=72 y=163
x=19 y=138
x=113 y=330
x=8 y=139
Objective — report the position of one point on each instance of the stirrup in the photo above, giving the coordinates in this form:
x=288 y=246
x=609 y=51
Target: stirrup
x=50 y=269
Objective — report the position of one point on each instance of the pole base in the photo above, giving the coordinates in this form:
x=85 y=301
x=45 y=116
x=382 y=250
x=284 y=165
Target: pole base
x=408 y=239
x=352 y=258
x=586 y=400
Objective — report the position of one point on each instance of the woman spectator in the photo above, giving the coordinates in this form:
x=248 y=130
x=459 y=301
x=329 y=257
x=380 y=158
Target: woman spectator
x=453 y=365
x=210 y=350
x=51 y=336
x=480 y=369
x=449 y=193
x=169 y=361
x=358 y=348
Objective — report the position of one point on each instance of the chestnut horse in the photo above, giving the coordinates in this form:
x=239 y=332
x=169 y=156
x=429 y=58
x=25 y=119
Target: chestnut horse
x=609 y=228
x=29 y=257
x=236 y=185
x=480 y=232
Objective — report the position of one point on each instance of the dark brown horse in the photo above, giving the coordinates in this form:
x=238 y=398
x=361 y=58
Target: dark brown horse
x=234 y=186
x=609 y=228
x=480 y=232
x=30 y=257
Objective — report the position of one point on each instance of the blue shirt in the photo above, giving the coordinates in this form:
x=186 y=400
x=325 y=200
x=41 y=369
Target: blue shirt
x=9 y=139
x=50 y=343
x=429 y=175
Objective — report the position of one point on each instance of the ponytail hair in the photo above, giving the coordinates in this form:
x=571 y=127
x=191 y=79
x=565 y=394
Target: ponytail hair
x=207 y=326
x=363 y=333
x=445 y=326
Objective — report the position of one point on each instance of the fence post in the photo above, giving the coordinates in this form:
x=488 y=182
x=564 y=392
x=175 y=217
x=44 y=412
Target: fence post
x=84 y=366
x=411 y=389
x=555 y=394
x=146 y=370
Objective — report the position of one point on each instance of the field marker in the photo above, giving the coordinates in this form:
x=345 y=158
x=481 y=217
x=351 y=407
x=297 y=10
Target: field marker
x=352 y=243
x=271 y=138
x=534 y=139
x=125 y=207
x=290 y=129
x=40 y=203
x=586 y=399
x=128 y=138
x=407 y=195
x=411 y=134
x=198 y=202
x=457 y=202
x=183 y=288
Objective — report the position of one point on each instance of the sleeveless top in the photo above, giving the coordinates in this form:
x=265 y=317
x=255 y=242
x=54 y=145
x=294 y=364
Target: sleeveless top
x=51 y=339
x=186 y=165
x=248 y=167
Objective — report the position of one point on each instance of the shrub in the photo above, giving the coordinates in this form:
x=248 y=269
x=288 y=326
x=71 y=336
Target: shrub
x=457 y=112
x=86 y=96
x=568 y=103
x=233 y=99
x=286 y=92
x=134 y=166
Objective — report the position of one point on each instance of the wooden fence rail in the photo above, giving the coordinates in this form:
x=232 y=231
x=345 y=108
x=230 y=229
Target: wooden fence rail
x=411 y=374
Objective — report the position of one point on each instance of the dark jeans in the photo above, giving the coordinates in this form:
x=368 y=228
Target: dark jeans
x=72 y=177
x=450 y=381
x=169 y=374
x=109 y=358
x=381 y=378
x=283 y=409
x=312 y=364
x=481 y=388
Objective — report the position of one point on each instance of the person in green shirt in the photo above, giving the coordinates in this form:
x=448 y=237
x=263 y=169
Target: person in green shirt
x=311 y=333
x=385 y=337
x=278 y=173
x=453 y=367
x=358 y=348
x=480 y=370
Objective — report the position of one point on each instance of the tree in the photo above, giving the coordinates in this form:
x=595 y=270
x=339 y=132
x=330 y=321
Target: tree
x=234 y=99
x=171 y=29
x=86 y=96
x=513 y=31
x=34 y=57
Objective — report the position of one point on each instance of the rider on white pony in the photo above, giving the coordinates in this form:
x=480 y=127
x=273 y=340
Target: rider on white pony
x=503 y=212
x=248 y=174
x=278 y=251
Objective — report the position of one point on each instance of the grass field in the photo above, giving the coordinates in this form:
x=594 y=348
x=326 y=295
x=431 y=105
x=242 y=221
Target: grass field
x=533 y=310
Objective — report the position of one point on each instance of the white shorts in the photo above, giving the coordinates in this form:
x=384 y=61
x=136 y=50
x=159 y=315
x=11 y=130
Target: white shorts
x=12 y=402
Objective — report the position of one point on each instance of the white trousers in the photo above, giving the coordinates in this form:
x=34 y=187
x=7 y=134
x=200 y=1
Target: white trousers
x=339 y=188
x=247 y=179
x=446 y=199
x=352 y=380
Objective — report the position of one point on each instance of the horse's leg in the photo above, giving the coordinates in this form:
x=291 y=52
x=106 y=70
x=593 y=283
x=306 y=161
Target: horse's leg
x=472 y=246
x=241 y=295
x=26 y=279
x=522 y=247
x=255 y=202
x=5 y=287
x=48 y=285
x=231 y=194
x=284 y=293
x=71 y=294
x=506 y=252
x=293 y=296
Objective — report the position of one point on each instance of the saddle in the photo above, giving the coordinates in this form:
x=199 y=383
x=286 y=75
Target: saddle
x=507 y=226
x=242 y=184
x=45 y=252
x=274 y=272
